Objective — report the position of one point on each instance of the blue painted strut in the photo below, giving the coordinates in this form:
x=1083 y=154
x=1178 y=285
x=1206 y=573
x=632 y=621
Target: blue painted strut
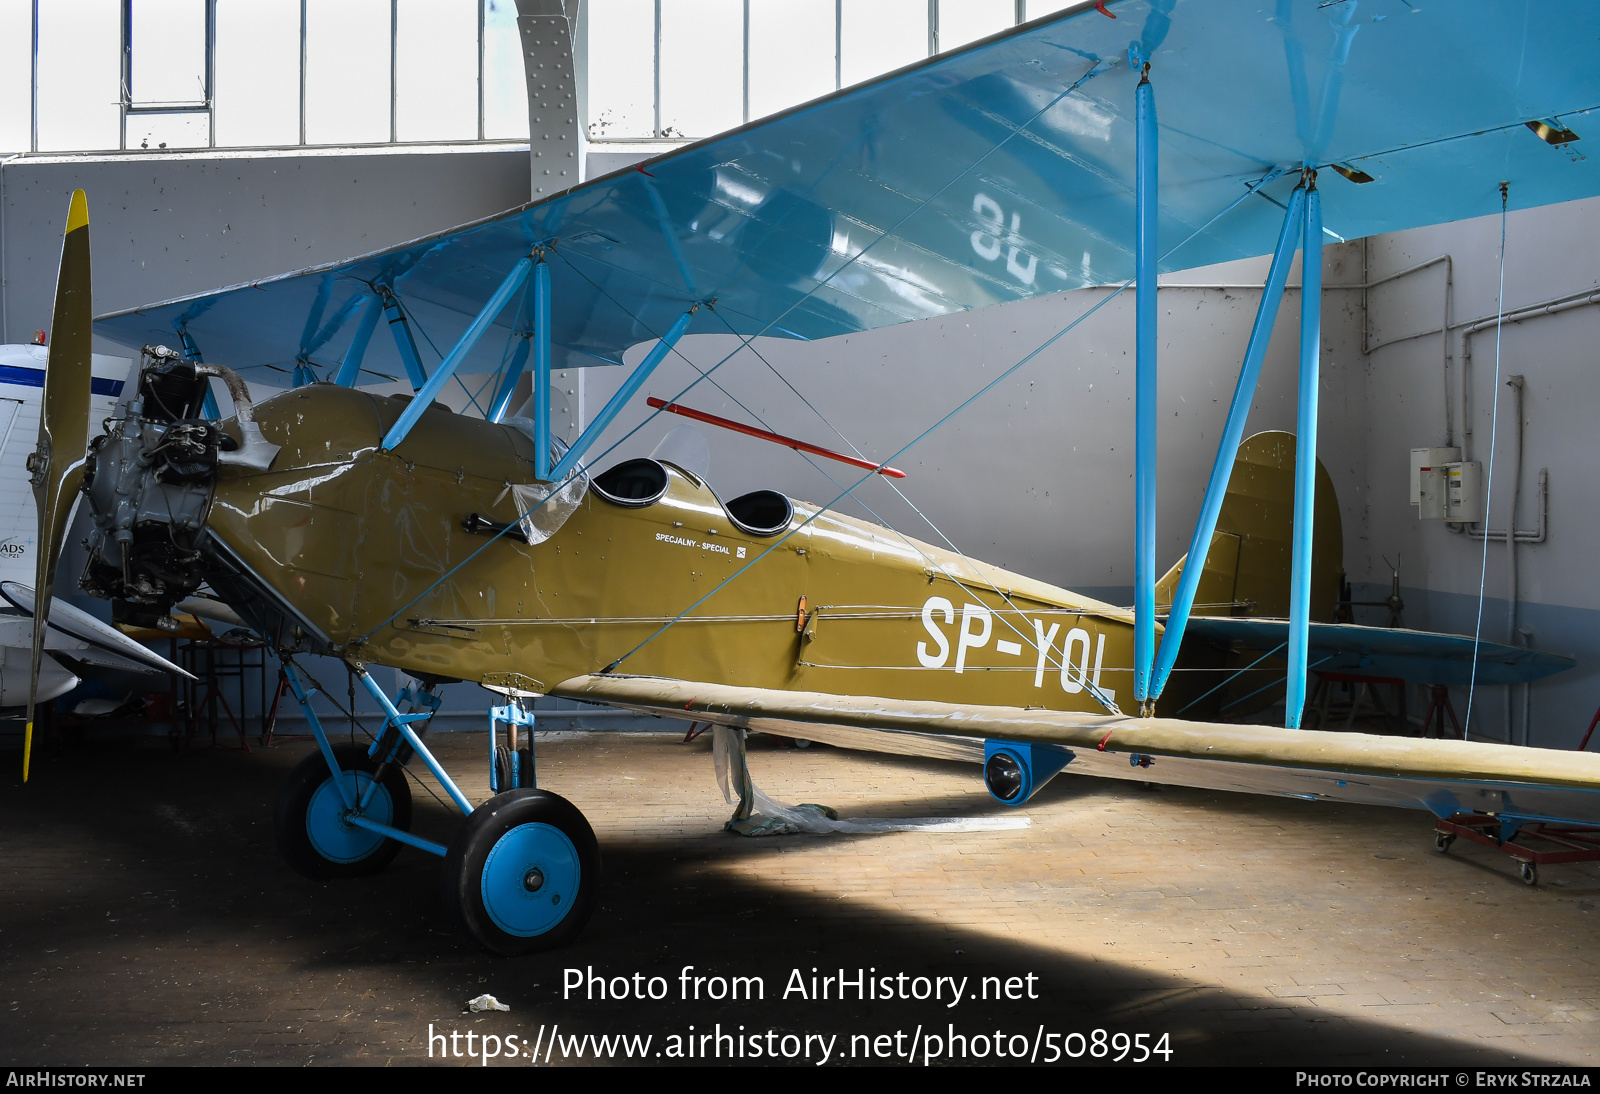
x=350 y=367
x=629 y=389
x=1144 y=559
x=404 y=343
x=302 y=695
x=458 y=353
x=541 y=372
x=352 y=808
x=1305 y=455
x=508 y=383
x=1228 y=448
x=532 y=326
x=402 y=722
x=191 y=352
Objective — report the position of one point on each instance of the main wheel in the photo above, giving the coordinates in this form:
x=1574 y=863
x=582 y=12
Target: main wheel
x=520 y=875
x=313 y=834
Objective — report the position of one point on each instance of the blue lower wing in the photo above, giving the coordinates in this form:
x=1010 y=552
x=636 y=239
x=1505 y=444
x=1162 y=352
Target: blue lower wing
x=1417 y=657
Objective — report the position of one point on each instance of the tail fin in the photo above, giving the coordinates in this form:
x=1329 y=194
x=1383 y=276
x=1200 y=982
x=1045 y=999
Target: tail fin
x=1247 y=568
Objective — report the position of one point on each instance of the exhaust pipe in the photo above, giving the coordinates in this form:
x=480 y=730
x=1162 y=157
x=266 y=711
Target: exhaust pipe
x=255 y=451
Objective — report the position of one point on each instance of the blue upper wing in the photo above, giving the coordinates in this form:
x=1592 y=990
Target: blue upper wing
x=997 y=172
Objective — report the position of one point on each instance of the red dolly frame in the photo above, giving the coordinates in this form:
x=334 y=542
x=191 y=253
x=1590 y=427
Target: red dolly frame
x=1577 y=842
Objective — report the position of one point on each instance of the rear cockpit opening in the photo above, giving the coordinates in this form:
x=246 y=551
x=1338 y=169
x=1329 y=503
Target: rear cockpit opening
x=761 y=512
x=633 y=483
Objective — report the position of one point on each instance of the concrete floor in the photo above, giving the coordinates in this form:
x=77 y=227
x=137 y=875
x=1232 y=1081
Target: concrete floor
x=148 y=918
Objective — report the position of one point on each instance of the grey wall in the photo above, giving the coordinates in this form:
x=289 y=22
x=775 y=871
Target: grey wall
x=166 y=225
x=1550 y=253
x=1037 y=474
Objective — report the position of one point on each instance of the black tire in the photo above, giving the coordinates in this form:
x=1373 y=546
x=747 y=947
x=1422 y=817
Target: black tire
x=339 y=850
x=490 y=890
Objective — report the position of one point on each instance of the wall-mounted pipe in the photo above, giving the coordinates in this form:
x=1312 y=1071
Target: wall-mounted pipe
x=1538 y=534
x=1365 y=286
x=1517 y=384
x=1531 y=311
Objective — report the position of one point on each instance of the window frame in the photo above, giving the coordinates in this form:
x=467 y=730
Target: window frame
x=207 y=107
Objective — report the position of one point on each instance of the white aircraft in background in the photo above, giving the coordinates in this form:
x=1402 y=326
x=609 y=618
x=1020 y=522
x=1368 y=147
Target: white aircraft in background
x=75 y=638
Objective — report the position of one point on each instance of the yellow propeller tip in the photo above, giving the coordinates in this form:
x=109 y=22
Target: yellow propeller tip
x=27 y=749
x=78 y=211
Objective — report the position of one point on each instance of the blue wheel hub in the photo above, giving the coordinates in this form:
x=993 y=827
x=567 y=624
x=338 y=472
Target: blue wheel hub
x=531 y=879
x=334 y=838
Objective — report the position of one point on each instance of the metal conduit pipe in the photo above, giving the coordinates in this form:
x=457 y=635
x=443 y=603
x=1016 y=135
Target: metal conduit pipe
x=1516 y=384
x=1532 y=311
x=1538 y=534
x=1367 y=345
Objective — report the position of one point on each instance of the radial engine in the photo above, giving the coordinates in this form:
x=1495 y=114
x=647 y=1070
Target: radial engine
x=150 y=480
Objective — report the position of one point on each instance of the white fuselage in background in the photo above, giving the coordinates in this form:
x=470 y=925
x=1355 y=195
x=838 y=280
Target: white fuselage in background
x=21 y=389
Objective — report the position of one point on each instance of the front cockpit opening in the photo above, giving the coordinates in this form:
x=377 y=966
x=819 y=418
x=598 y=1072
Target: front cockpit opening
x=633 y=483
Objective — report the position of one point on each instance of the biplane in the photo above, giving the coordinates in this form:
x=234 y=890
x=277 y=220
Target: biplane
x=388 y=530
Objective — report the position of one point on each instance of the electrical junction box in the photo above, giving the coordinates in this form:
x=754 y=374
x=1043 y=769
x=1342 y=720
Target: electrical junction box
x=1464 y=492
x=1435 y=488
x=1424 y=459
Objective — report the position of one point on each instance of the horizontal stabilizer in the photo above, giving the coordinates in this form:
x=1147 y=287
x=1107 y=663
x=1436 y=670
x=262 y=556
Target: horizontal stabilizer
x=1417 y=657
x=79 y=624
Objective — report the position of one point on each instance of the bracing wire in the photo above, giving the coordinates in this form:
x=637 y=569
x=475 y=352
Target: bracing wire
x=411 y=318
x=749 y=343
x=974 y=397
x=1488 y=489
x=1094 y=69
x=1028 y=640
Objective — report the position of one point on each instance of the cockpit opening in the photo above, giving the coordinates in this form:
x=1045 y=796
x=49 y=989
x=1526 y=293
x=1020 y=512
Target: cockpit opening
x=632 y=483
x=761 y=512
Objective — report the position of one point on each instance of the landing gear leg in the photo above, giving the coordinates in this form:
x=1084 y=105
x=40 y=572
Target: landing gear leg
x=520 y=875
x=511 y=764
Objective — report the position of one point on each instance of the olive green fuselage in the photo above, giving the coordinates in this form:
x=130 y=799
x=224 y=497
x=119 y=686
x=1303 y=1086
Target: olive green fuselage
x=368 y=548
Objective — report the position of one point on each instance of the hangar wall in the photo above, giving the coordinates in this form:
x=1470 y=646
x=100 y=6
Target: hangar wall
x=1550 y=255
x=167 y=225
x=1036 y=475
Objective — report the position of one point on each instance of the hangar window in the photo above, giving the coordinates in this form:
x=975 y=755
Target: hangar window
x=105 y=75
x=674 y=70
x=633 y=483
